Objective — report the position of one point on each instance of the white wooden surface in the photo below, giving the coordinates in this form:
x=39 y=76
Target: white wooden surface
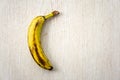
x=83 y=42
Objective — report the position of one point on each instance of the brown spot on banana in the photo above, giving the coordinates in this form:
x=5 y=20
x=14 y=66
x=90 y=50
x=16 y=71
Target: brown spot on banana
x=31 y=51
x=37 y=24
x=37 y=53
x=35 y=29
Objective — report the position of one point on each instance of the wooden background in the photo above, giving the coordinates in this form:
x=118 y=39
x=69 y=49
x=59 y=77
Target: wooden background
x=83 y=42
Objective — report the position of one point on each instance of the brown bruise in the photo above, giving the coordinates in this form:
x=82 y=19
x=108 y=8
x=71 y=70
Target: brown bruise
x=37 y=53
x=37 y=24
x=31 y=51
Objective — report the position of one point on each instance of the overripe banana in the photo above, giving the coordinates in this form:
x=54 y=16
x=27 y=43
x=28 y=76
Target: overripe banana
x=34 y=42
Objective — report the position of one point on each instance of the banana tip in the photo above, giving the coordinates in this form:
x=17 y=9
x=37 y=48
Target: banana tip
x=55 y=12
x=51 y=68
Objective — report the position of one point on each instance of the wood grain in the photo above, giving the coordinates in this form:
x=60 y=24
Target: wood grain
x=83 y=42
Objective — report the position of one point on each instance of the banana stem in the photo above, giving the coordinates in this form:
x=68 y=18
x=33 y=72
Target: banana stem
x=54 y=13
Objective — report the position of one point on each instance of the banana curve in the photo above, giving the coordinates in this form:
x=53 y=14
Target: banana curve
x=34 y=43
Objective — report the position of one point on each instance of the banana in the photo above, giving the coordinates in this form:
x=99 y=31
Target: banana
x=34 y=43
